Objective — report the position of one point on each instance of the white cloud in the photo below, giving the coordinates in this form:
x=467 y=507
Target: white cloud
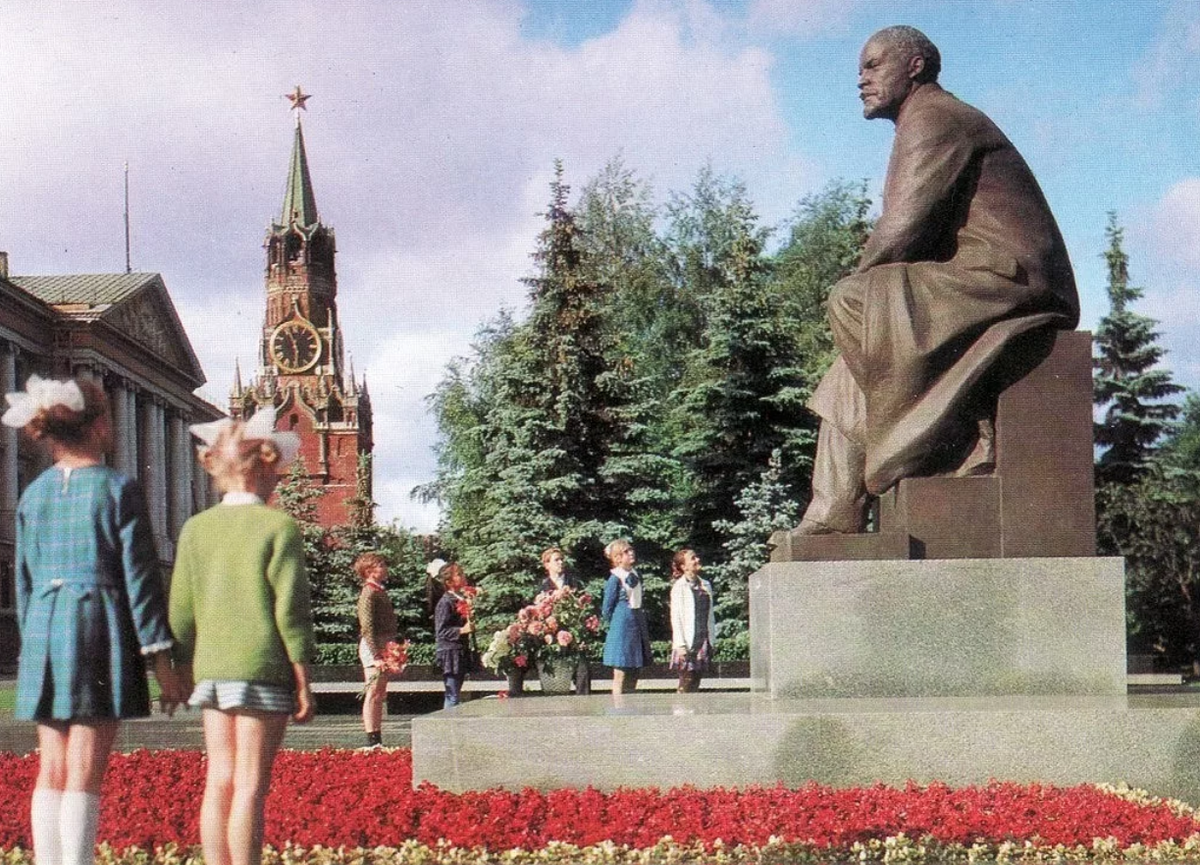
x=431 y=139
x=1175 y=224
x=800 y=17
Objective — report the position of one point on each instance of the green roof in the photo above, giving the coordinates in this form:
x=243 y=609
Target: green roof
x=97 y=289
x=299 y=203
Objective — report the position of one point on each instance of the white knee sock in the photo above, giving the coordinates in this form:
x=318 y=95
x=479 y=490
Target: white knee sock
x=77 y=827
x=44 y=810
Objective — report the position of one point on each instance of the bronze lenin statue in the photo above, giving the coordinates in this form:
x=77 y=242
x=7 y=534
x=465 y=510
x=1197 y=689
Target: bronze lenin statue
x=965 y=258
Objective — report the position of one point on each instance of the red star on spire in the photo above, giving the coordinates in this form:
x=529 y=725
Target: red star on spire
x=298 y=98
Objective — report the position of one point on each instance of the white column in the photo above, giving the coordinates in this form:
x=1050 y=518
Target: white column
x=153 y=468
x=133 y=448
x=122 y=431
x=180 y=481
x=8 y=483
x=162 y=508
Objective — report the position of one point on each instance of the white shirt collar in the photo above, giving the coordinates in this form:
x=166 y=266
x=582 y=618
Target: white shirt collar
x=241 y=497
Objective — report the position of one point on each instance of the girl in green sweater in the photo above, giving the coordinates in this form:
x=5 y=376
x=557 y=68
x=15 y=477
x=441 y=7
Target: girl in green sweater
x=240 y=613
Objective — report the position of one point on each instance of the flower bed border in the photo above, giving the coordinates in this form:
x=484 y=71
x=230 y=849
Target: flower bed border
x=332 y=803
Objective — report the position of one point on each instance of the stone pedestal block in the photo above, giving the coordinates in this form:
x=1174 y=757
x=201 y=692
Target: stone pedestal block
x=706 y=740
x=968 y=627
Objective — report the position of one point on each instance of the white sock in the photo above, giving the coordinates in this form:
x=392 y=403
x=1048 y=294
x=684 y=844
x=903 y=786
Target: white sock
x=77 y=827
x=43 y=813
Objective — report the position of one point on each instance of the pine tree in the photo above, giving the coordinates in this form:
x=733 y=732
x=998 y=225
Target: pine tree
x=1128 y=384
x=297 y=494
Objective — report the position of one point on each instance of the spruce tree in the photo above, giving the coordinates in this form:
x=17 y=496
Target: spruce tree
x=742 y=393
x=1129 y=386
x=542 y=437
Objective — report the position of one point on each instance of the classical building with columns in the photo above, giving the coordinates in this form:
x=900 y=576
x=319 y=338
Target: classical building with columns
x=120 y=330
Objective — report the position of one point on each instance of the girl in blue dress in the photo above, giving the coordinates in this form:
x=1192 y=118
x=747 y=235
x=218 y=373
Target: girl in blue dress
x=627 y=646
x=90 y=607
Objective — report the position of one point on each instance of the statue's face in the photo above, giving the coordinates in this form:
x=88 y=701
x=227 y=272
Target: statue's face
x=885 y=78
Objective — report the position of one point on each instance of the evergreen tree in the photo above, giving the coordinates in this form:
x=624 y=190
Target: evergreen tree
x=541 y=437
x=742 y=393
x=297 y=494
x=1128 y=384
x=825 y=241
x=647 y=325
x=1153 y=522
x=763 y=507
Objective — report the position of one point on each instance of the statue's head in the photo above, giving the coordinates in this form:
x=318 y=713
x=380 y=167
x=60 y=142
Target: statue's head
x=893 y=63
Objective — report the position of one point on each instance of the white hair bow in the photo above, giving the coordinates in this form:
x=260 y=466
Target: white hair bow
x=40 y=394
x=260 y=426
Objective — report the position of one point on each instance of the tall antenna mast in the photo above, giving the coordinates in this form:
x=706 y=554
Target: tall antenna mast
x=128 y=266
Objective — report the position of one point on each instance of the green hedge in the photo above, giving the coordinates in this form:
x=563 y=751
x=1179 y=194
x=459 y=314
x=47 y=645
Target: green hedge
x=737 y=648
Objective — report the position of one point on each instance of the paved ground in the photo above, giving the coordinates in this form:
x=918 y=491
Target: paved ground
x=183 y=731
x=337 y=724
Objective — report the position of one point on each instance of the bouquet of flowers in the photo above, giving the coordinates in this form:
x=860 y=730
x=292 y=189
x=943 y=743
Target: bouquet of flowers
x=558 y=624
x=568 y=620
x=391 y=662
x=512 y=648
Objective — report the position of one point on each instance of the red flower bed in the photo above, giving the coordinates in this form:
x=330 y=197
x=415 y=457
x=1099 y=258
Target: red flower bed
x=365 y=799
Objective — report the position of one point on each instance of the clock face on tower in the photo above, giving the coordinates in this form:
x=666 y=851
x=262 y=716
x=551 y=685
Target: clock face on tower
x=295 y=346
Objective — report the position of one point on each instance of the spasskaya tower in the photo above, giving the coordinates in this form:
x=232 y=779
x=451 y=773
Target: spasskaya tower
x=301 y=368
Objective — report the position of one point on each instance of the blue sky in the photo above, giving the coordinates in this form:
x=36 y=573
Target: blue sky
x=434 y=126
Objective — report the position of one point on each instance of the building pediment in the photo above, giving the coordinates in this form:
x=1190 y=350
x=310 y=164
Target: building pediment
x=149 y=318
x=135 y=305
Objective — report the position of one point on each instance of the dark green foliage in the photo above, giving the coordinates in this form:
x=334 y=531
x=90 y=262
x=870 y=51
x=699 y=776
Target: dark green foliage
x=297 y=494
x=1128 y=385
x=824 y=244
x=1147 y=500
x=764 y=507
x=329 y=556
x=762 y=347
x=1154 y=522
x=665 y=357
x=543 y=436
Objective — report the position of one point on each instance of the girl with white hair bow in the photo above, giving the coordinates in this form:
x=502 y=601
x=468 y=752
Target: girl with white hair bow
x=90 y=607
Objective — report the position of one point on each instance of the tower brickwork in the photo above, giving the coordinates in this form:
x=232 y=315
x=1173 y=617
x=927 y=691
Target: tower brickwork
x=301 y=364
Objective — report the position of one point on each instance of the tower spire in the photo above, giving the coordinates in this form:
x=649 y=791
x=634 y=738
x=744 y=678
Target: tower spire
x=299 y=203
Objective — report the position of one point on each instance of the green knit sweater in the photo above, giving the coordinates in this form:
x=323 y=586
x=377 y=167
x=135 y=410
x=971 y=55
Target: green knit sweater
x=239 y=596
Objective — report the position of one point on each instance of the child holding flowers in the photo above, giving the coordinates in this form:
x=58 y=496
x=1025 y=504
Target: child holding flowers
x=377 y=647
x=241 y=617
x=453 y=627
x=90 y=608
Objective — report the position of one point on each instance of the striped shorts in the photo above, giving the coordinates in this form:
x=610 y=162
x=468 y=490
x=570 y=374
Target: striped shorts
x=226 y=694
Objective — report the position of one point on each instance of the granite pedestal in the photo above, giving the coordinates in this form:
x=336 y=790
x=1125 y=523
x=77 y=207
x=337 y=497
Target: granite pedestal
x=705 y=740
x=965 y=627
x=863 y=672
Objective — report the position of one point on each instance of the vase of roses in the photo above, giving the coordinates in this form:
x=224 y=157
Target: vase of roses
x=552 y=634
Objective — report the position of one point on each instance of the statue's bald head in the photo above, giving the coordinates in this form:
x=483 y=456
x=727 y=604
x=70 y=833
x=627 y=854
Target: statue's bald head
x=911 y=42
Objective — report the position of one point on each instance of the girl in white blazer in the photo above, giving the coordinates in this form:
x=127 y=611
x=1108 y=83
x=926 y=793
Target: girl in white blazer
x=693 y=627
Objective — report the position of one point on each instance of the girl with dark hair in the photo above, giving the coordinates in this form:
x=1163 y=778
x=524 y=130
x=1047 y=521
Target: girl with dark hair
x=90 y=607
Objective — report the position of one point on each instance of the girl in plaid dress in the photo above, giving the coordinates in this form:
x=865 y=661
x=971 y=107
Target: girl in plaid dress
x=241 y=616
x=90 y=607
